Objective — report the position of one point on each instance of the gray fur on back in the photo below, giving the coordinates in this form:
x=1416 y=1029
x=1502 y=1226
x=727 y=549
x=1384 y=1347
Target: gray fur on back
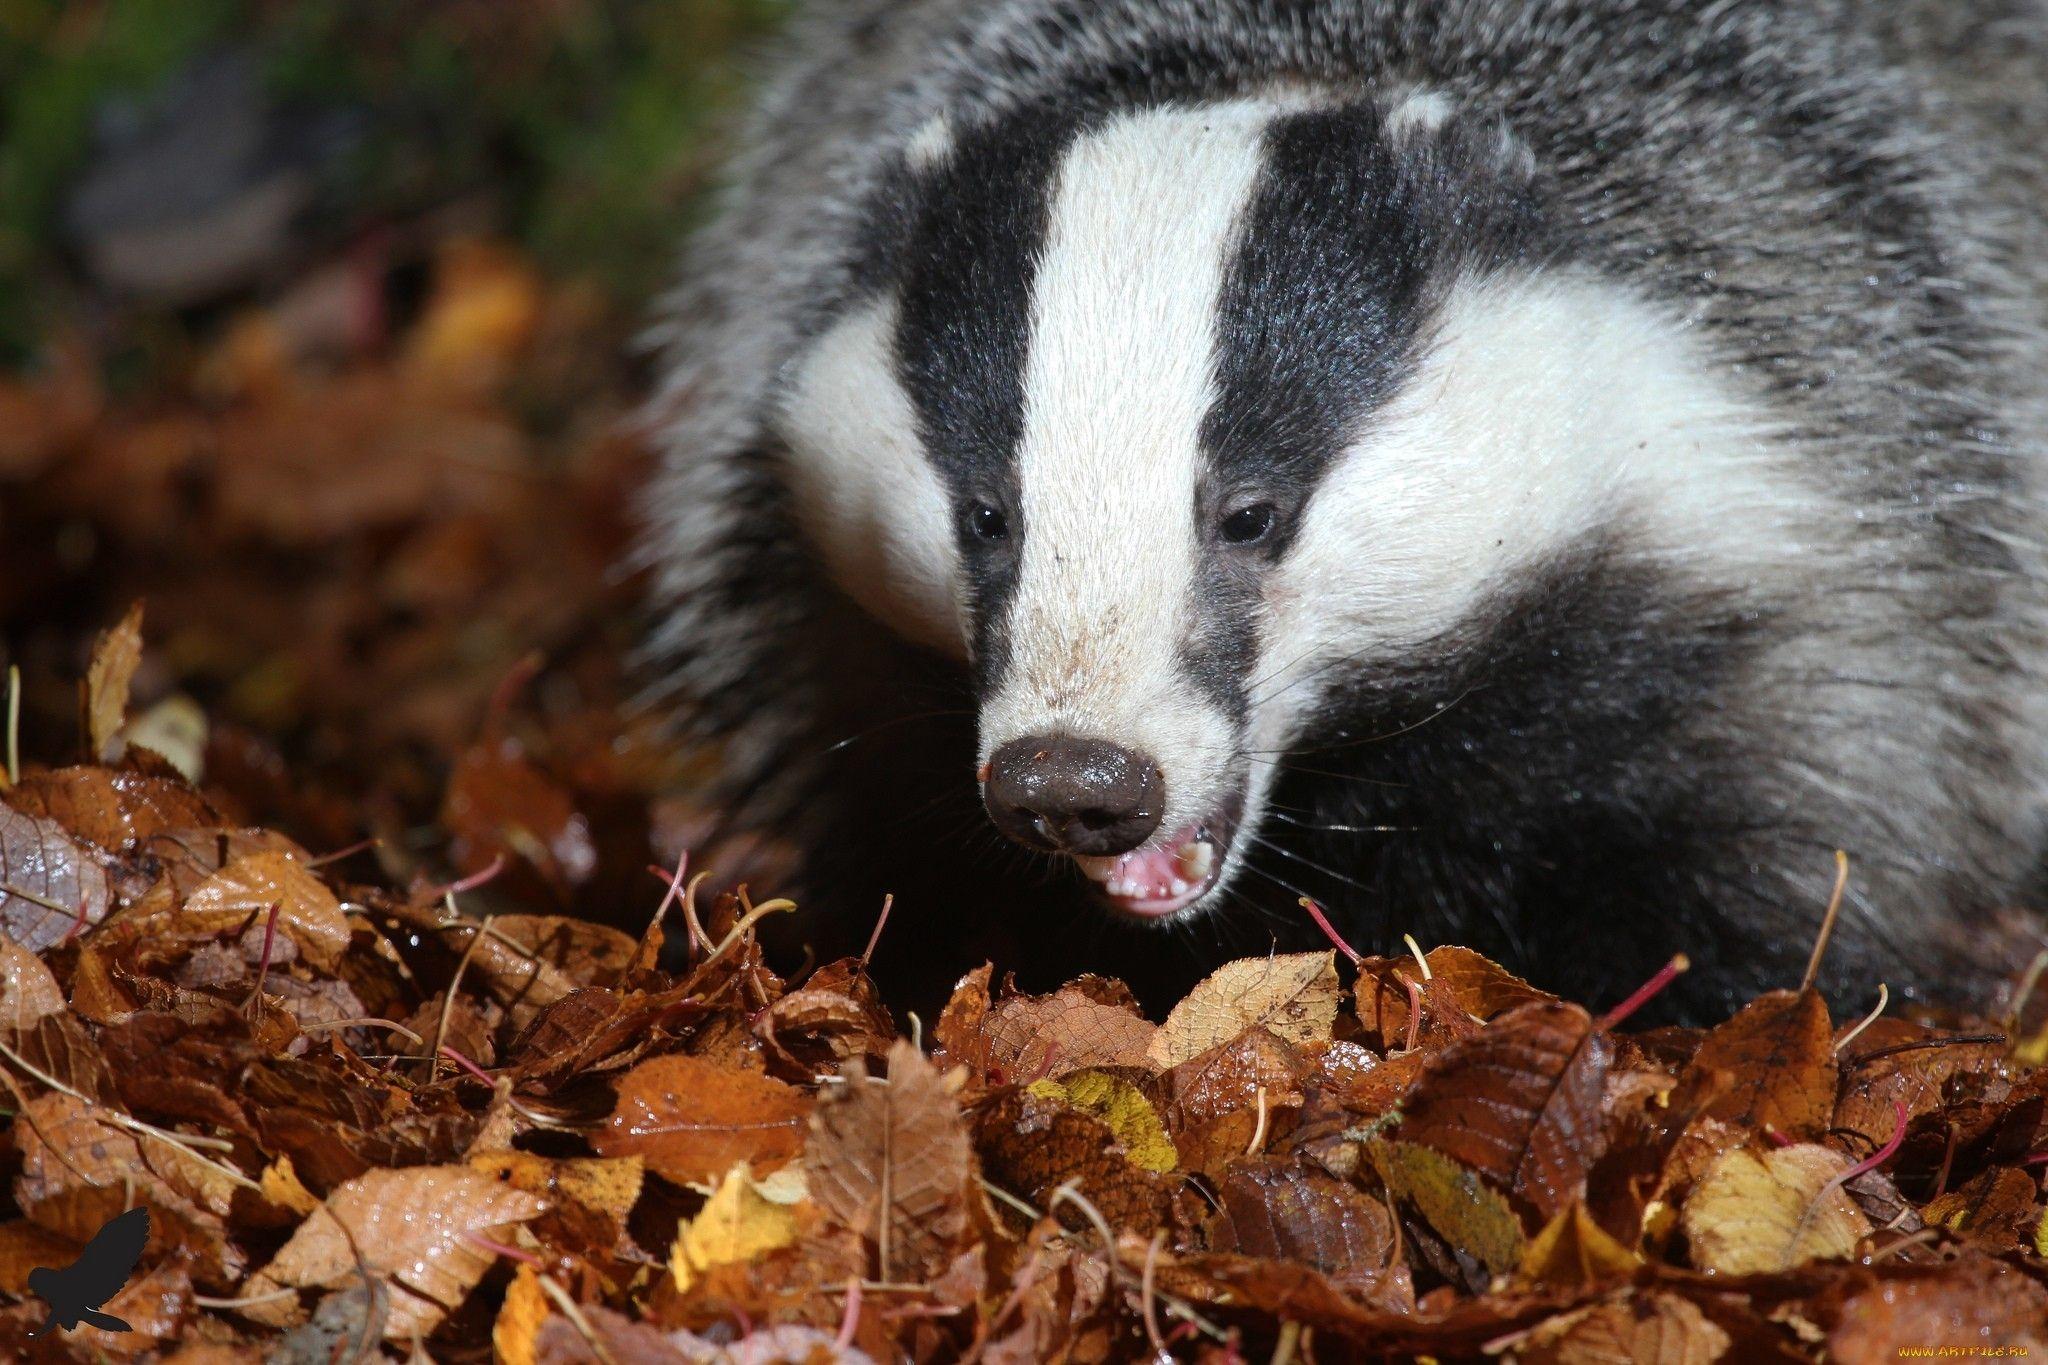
x=1848 y=200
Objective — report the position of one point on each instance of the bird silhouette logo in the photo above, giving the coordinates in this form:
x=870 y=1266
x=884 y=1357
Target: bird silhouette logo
x=76 y=1292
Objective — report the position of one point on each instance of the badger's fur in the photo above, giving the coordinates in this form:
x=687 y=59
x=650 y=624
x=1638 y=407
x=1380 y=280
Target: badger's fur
x=1537 y=473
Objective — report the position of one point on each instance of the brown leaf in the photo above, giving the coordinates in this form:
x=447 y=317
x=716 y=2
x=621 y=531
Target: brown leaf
x=1996 y=1210
x=27 y=990
x=1031 y=1144
x=1763 y=1212
x=1771 y=1066
x=1642 y=1329
x=1293 y=996
x=1895 y=1062
x=692 y=1120
x=240 y=896
x=958 y=1038
x=891 y=1161
x=1031 y=1037
x=113 y=808
x=1283 y=1210
x=836 y=1016
x=1229 y=1077
x=1972 y=1306
x=586 y=954
x=500 y=805
x=418 y=1228
x=1519 y=1102
x=51 y=887
x=115 y=657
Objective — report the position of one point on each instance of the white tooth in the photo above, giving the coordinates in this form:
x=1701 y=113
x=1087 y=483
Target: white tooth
x=1195 y=860
x=1180 y=888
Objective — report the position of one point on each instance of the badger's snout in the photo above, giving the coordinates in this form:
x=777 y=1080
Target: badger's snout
x=1066 y=794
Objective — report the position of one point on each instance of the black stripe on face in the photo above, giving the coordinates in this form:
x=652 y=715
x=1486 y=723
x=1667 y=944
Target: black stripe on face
x=1348 y=242
x=968 y=266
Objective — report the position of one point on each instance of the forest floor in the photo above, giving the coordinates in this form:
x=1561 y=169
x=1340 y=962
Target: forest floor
x=346 y=925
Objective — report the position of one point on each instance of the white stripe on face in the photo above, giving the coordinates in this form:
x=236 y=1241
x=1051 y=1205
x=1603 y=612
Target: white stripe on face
x=1119 y=378
x=864 y=490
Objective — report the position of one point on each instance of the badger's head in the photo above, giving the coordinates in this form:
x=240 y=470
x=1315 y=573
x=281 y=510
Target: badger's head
x=1168 y=423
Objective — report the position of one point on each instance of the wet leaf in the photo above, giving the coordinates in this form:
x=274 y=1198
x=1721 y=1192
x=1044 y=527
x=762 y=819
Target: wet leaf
x=1289 y=1211
x=240 y=895
x=692 y=1120
x=51 y=887
x=1573 y=1252
x=27 y=990
x=1771 y=1066
x=1645 y=1329
x=1520 y=1102
x=422 y=1228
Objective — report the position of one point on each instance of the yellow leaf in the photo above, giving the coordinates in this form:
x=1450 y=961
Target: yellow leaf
x=737 y=1224
x=1122 y=1107
x=519 y=1321
x=608 y=1185
x=1765 y=1212
x=1573 y=1251
x=1467 y=1212
x=282 y=1186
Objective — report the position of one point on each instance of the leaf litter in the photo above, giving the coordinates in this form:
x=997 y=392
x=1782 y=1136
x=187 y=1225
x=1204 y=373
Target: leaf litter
x=393 y=1041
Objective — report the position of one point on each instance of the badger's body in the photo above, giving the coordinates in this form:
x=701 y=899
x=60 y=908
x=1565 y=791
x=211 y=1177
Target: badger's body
x=1538 y=473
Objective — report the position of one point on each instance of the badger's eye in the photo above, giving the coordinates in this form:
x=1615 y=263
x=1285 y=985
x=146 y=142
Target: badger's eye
x=1248 y=525
x=987 y=523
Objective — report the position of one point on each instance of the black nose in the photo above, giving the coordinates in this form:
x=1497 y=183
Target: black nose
x=1071 y=795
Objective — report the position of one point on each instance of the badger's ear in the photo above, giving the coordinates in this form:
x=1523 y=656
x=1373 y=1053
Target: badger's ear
x=866 y=499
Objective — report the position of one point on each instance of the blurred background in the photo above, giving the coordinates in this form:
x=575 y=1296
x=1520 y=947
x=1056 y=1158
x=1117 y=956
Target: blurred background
x=317 y=326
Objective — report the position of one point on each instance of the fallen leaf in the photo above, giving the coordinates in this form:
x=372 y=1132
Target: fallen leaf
x=1293 y=996
x=1642 y=1329
x=1763 y=1212
x=51 y=888
x=240 y=896
x=690 y=1120
x=1464 y=1210
x=606 y=1185
x=1573 y=1252
x=1030 y=1146
x=519 y=1319
x=586 y=954
x=1975 y=1307
x=1996 y=1210
x=890 y=1160
x=1771 y=1066
x=1519 y=1102
x=417 y=1227
x=1035 y=1037
x=737 y=1224
x=112 y=808
x=1122 y=1108
x=1285 y=1210
x=115 y=657
x=27 y=990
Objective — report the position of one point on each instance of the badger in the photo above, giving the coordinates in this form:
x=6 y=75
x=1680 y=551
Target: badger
x=1540 y=474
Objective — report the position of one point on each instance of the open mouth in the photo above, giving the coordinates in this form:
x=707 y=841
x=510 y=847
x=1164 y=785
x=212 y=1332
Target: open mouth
x=1168 y=875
